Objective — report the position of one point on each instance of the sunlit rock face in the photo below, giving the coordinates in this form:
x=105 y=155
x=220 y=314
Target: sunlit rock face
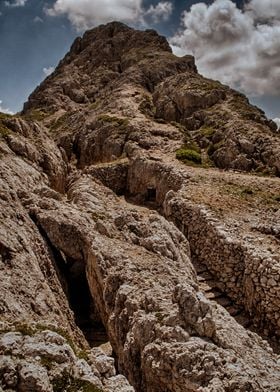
x=138 y=250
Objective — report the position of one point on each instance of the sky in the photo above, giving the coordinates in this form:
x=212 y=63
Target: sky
x=234 y=41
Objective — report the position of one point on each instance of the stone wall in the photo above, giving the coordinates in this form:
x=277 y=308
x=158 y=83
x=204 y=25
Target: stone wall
x=247 y=274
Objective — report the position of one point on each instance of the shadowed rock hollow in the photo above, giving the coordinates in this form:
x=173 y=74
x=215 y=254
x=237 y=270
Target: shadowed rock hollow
x=117 y=225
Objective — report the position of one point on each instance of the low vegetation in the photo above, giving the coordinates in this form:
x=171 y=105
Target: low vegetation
x=119 y=122
x=4 y=130
x=147 y=107
x=58 y=122
x=188 y=156
x=32 y=329
x=67 y=383
x=207 y=131
x=35 y=115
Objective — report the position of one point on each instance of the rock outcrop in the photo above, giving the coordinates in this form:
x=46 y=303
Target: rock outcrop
x=107 y=237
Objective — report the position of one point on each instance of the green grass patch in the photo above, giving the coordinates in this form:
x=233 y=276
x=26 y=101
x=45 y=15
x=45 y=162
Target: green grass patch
x=3 y=116
x=207 y=131
x=4 y=131
x=188 y=155
x=35 y=115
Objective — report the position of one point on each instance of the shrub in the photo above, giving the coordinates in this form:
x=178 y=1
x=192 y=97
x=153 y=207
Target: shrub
x=188 y=155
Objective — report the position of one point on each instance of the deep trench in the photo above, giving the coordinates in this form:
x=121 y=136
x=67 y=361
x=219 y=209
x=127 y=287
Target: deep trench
x=72 y=277
x=208 y=283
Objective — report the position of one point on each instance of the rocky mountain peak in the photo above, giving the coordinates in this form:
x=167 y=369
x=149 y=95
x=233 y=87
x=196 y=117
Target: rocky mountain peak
x=139 y=211
x=106 y=54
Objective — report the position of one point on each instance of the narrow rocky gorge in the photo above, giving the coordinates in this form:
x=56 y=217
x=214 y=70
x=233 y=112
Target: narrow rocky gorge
x=107 y=237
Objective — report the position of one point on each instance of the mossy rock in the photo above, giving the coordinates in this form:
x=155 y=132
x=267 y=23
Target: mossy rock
x=207 y=131
x=179 y=126
x=147 y=107
x=66 y=383
x=121 y=123
x=190 y=144
x=59 y=122
x=35 y=115
x=214 y=147
x=4 y=131
x=95 y=104
x=187 y=155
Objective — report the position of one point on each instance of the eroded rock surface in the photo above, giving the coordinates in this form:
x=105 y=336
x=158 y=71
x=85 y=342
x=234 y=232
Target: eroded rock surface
x=103 y=230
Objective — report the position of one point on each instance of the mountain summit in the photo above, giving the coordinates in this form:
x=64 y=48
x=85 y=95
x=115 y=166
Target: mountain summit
x=139 y=209
x=113 y=59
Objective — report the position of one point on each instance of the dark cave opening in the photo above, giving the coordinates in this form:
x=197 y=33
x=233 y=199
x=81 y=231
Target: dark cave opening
x=82 y=304
x=151 y=195
x=72 y=276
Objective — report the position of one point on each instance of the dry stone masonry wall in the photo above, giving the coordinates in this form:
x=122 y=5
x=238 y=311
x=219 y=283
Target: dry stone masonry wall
x=250 y=276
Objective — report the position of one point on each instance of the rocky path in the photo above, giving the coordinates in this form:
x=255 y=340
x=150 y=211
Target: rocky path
x=210 y=285
x=211 y=288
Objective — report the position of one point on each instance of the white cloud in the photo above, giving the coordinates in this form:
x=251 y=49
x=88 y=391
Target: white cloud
x=48 y=70
x=84 y=14
x=277 y=121
x=238 y=47
x=161 y=11
x=16 y=3
x=4 y=110
x=264 y=10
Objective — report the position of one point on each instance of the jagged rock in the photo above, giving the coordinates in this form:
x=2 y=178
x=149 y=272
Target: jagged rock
x=104 y=231
x=33 y=378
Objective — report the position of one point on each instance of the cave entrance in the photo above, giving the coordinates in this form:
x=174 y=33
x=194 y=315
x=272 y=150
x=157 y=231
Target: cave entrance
x=151 y=195
x=72 y=276
x=82 y=304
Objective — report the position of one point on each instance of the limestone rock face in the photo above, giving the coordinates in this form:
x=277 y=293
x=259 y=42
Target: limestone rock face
x=122 y=268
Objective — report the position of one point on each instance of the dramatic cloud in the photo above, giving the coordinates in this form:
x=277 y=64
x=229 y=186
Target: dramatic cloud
x=3 y=110
x=48 y=70
x=84 y=14
x=264 y=10
x=16 y=3
x=238 y=47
